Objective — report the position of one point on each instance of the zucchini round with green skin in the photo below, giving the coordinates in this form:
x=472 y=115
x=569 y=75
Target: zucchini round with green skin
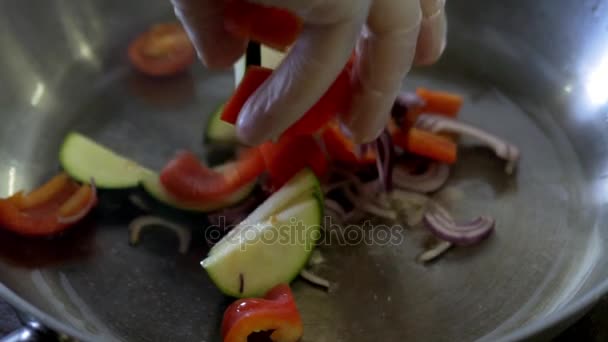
x=84 y=159
x=272 y=244
x=153 y=187
x=219 y=131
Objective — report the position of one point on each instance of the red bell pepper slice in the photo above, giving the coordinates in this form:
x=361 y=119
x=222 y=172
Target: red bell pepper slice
x=342 y=149
x=189 y=180
x=271 y=26
x=253 y=79
x=48 y=210
x=276 y=312
x=426 y=144
x=285 y=158
x=336 y=100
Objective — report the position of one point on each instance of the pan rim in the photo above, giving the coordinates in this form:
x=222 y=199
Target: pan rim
x=528 y=331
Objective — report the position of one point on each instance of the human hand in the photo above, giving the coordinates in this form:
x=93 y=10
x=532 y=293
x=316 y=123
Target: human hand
x=389 y=36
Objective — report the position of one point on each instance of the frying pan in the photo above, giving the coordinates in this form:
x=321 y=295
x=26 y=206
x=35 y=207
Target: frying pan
x=534 y=72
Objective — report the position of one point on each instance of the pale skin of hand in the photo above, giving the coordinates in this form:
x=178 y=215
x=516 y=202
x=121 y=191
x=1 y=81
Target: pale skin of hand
x=389 y=35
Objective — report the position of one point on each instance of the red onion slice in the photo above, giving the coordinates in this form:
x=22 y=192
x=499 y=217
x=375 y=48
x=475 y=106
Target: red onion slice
x=405 y=102
x=503 y=149
x=435 y=176
x=138 y=225
x=315 y=279
x=385 y=159
x=443 y=226
x=84 y=211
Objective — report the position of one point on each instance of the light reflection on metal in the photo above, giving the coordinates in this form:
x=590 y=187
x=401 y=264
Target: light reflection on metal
x=37 y=94
x=11 y=180
x=597 y=83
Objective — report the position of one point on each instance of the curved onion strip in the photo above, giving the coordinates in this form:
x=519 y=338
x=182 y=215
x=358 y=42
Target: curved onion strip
x=431 y=180
x=434 y=252
x=135 y=228
x=315 y=279
x=84 y=211
x=385 y=159
x=503 y=149
x=459 y=234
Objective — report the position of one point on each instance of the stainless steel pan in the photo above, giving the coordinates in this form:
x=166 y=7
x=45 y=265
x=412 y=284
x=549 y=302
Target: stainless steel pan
x=535 y=72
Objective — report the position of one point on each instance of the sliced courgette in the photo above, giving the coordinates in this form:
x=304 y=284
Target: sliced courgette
x=83 y=159
x=272 y=244
x=219 y=131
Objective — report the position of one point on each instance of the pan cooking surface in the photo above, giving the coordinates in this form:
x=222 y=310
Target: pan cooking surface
x=531 y=266
x=542 y=256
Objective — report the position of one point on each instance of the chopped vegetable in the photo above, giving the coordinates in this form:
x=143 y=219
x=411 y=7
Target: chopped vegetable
x=254 y=77
x=152 y=186
x=276 y=312
x=84 y=159
x=386 y=160
x=218 y=131
x=433 y=178
x=271 y=26
x=290 y=155
x=79 y=205
x=503 y=149
x=187 y=179
x=439 y=102
x=342 y=149
x=434 y=252
x=441 y=224
x=427 y=144
x=336 y=100
x=315 y=279
x=51 y=209
x=139 y=224
x=164 y=50
x=260 y=250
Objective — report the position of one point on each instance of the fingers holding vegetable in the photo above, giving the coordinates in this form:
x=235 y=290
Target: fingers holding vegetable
x=312 y=65
x=390 y=36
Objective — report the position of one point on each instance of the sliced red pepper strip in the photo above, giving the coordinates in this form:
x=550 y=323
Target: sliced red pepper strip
x=342 y=149
x=285 y=158
x=253 y=79
x=276 y=312
x=427 y=144
x=42 y=214
x=336 y=100
x=440 y=102
x=45 y=192
x=271 y=26
x=189 y=180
